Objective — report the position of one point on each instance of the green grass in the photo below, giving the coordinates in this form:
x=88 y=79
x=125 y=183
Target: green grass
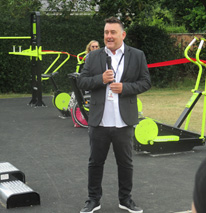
x=15 y=95
x=167 y=105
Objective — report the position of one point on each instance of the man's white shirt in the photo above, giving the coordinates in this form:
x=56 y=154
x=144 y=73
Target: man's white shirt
x=111 y=116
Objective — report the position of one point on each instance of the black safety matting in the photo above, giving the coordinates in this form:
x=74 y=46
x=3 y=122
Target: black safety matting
x=54 y=155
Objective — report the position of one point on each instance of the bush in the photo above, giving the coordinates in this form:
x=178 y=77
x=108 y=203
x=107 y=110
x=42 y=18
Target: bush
x=14 y=71
x=59 y=34
x=72 y=35
x=158 y=46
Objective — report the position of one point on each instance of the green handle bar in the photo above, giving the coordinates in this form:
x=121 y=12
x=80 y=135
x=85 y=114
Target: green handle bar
x=198 y=78
x=49 y=68
x=195 y=62
x=80 y=61
x=37 y=52
x=17 y=37
x=204 y=93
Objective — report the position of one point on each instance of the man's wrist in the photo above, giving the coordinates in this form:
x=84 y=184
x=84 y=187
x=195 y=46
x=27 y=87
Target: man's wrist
x=103 y=80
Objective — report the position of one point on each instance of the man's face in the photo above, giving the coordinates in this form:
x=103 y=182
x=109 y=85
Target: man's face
x=113 y=36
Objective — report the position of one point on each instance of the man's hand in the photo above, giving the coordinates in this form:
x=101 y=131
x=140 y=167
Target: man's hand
x=116 y=87
x=108 y=76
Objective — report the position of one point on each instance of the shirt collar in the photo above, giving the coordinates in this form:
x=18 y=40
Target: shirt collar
x=121 y=50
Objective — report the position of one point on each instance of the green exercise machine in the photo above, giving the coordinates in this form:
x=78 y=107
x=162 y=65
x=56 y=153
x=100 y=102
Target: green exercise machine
x=80 y=100
x=155 y=137
x=35 y=57
x=61 y=100
x=35 y=52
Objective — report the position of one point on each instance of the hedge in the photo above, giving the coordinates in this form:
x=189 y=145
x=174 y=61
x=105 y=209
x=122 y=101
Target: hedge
x=57 y=34
x=72 y=35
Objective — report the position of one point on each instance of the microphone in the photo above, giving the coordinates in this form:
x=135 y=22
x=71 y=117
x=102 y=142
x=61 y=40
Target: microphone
x=109 y=62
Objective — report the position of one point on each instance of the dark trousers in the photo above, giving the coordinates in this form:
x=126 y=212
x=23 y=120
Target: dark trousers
x=100 y=140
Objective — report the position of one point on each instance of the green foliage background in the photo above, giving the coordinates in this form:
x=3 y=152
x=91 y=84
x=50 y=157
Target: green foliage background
x=72 y=35
x=68 y=35
x=158 y=47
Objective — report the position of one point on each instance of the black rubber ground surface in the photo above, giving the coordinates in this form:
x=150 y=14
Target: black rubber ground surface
x=53 y=156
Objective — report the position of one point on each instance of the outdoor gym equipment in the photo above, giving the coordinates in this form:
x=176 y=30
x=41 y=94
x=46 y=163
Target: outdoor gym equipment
x=35 y=48
x=35 y=53
x=80 y=108
x=80 y=61
x=60 y=99
x=35 y=57
x=155 y=137
x=38 y=53
x=79 y=99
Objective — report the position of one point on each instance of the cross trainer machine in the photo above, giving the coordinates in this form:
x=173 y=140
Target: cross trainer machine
x=155 y=137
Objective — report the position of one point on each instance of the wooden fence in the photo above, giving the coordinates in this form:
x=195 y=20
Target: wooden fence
x=183 y=39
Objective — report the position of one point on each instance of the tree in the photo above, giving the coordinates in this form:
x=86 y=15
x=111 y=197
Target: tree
x=19 y=8
x=204 y=3
x=66 y=7
x=190 y=13
x=127 y=10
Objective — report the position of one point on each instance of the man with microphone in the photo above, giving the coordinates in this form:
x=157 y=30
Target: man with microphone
x=115 y=75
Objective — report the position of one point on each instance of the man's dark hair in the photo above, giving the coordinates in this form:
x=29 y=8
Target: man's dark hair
x=114 y=20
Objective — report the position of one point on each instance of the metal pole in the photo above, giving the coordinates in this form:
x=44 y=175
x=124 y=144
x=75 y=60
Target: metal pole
x=35 y=62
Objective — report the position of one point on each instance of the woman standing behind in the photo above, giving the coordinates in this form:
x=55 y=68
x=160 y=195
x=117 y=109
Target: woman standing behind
x=93 y=45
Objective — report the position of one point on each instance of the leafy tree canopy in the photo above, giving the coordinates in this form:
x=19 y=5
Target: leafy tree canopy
x=127 y=10
x=65 y=8
x=190 y=13
x=19 y=8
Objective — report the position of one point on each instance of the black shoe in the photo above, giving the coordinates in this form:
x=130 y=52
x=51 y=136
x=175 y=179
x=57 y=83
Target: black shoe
x=91 y=206
x=130 y=206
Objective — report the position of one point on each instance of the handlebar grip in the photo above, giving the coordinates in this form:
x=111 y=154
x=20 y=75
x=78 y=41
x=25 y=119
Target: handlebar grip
x=201 y=44
x=192 y=42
